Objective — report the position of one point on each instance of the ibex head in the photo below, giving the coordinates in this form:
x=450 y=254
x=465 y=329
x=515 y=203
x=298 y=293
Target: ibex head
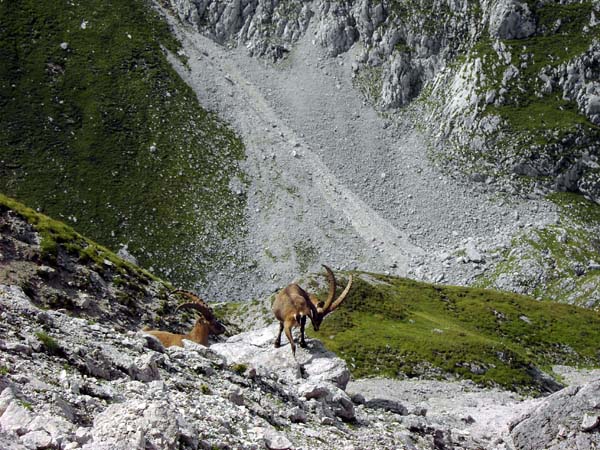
x=206 y=318
x=206 y=324
x=293 y=305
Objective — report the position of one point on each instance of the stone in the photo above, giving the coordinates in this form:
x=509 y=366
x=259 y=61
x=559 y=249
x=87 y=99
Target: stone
x=36 y=439
x=124 y=253
x=15 y=418
x=312 y=390
x=145 y=367
x=562 y=421
x=593 y=106
x=590 y=422
x=276 y=441
x=136 y=424
x=297 y=415
x=473 y=254
x=358 y=398
x=387 y=405
x=235 y=396
x=341 y=405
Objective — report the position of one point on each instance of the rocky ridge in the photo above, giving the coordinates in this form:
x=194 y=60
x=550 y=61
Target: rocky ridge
x=451 y=54
x=70 y=383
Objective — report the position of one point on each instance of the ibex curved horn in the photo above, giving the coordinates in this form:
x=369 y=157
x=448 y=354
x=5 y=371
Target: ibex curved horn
x=342 y=296
x=331 y=295
x=331 y=305
x=196 y=303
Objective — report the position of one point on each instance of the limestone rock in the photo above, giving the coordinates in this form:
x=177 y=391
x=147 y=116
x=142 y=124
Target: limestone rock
x=387 y=405
x=137 y=425
x=565 y=420
x=255 y=348
x=511 y=19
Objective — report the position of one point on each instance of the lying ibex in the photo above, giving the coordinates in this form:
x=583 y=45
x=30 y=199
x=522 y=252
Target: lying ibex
x=206 y=324
x=293 y=305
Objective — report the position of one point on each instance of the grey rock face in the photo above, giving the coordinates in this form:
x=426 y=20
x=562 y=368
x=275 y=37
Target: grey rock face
x=510 y=19
x=264 y=27
x=337 y=31
x=565 y=420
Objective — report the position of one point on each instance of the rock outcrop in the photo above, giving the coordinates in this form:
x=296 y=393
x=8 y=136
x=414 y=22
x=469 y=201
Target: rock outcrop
x=566 y=420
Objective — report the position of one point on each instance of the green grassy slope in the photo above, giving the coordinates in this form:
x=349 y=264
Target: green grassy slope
x=398 y=327
x=56 y=235
x=96 y=128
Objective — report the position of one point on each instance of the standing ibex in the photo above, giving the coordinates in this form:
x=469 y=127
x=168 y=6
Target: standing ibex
x=293 y=305
x=206 y=324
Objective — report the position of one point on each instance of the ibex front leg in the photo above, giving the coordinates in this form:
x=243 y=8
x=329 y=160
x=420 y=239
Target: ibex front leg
x=302 y=325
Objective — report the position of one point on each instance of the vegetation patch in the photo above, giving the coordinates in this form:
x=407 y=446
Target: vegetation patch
x=50 y=344
x=534 y=117
x=566 y=256
x=98 y=130
x=369 y=82
x=56 y=235
x=402 y=328
x=240 y=369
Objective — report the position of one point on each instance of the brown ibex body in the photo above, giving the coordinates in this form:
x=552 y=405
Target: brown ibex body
x=206 y=324
x=293 y=305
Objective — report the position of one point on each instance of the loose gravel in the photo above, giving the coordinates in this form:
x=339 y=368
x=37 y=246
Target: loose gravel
x=334 y=181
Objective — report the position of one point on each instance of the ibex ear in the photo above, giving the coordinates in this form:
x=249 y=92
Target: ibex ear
x=315 y=300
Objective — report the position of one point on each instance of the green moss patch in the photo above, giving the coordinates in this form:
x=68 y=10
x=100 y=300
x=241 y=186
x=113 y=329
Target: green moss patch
x=405 y=328
x=98 y=130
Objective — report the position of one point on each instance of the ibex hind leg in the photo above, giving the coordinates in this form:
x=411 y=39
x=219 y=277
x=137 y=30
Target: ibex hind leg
x=278 y=338
x=287 y=326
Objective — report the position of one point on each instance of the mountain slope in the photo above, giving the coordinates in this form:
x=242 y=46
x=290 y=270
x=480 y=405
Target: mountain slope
x=76 y=373
x=510 y=88
x=305 y=110
x=96 y=128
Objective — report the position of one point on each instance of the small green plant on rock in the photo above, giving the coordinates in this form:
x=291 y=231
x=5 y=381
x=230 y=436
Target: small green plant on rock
x=48 y=341
x=240 y=369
